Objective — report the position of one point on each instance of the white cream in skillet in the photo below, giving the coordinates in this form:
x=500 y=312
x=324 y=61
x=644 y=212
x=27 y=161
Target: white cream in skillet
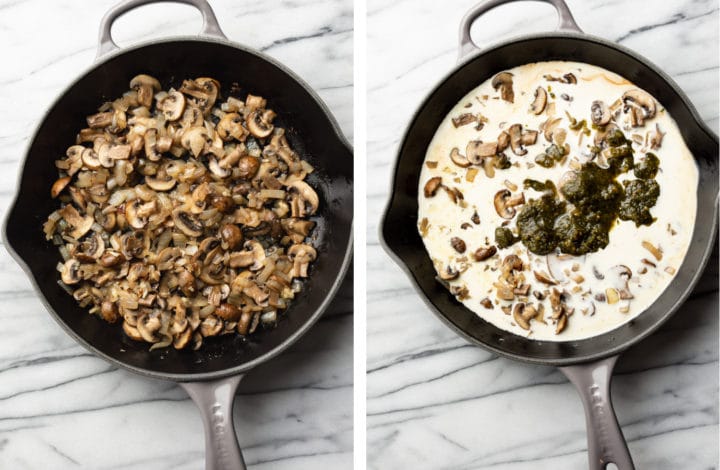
x=581 y=296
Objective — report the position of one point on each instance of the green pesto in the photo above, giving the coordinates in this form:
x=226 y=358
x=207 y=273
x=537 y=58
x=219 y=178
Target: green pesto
x=548 y=186
x=647 y=168
x=552 y=154
x=536 y=223
x=504 y=237
x=640 y=196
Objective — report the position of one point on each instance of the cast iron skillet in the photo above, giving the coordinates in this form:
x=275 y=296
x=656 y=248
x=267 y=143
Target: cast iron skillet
x=587 y=363
x=212 y=374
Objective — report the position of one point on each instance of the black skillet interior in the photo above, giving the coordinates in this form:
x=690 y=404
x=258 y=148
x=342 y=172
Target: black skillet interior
x=400 y=234
x=309 y=131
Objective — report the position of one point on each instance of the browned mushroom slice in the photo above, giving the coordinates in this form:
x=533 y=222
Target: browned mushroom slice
x=463 y=119
x=173 y=105
x=230 y=127
x=459 y=159
x=477 y=150
x=260 y=124
x=503 y=141
x=481 y=254
x=187 y=223
x=516 y=144
x=655 y=138
x=252 y=257
x=301 y=255
x=538 y=104
x=195 y=140
x=59 y=185
x=100 y=120
x=504 y=82
x=599 y=113
x=204 y=92
x=71 y=272
x=505 y=203
x=304 y=200
x=145 y=86
x=80 y=224
x=90 y=249
x=432 y=185
x=448 y=273
x=640 y=105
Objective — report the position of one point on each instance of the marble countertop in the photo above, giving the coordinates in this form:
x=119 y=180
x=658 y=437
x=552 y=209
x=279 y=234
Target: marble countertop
x=62 y=408
x=435 y=401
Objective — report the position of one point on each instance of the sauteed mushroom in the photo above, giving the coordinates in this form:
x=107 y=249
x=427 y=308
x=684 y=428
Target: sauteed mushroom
x=182 y=219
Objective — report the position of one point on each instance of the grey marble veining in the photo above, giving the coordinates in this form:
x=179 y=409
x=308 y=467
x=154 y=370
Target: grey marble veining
x=62 y=408
x=435 y=401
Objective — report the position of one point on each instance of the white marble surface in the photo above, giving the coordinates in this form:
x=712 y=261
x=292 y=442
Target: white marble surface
x=434 y=401
x=60 y=407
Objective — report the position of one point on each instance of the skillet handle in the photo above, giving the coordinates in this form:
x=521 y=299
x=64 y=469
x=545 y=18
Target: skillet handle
x=210 y=26
x=606 y=443
x=566 y=22
x=215 y=400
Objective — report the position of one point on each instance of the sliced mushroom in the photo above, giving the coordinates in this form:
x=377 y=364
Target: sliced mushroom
x=90 y=159
x=599 y=113
x=538 y=104
x=549 y=128
x=80 y=224
x=173 y=105
x=501 y=207
x=230 y=127
x=71 y=272
x=640 y=104
x=260 y=124
x=187 y=223
x=518 y=316
x=459 y=159
x=655 y=138
x=301 y=255
x=503 y=141
x=304 y=199
x=248 y=166
x=477 y=150
x=195 y=139
x=252 y=257
x=145 y=86
x=59 y=185
x=147 y=326
x=161 y=183
x=623 y=275
x=545 y=278
x=504 y=82
x=183 y=338
x=481 y=254
x=516 y=139
x=432 y=185
x=91 y=249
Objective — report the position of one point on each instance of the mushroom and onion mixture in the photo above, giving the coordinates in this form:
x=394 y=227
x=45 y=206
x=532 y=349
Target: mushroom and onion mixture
x=183 y=216
x=557 y=200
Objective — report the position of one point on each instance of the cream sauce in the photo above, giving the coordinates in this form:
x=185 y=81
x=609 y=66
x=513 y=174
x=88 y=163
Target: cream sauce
x=578 y=276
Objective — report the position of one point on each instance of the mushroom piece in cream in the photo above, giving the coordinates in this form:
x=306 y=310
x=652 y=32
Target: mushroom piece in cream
x=587 y=219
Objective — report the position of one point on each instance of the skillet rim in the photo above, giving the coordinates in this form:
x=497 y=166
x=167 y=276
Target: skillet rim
x=179 y=377
x=564 y=361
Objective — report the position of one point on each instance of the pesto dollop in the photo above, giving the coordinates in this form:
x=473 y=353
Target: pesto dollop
x=592 y=200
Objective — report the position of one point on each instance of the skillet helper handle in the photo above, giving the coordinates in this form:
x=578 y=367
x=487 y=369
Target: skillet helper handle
x=215 y=400
x=106 y=45
x=606 y=443
x=566 y=22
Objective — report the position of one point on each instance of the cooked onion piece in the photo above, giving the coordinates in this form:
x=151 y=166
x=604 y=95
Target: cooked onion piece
x=183 y=216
